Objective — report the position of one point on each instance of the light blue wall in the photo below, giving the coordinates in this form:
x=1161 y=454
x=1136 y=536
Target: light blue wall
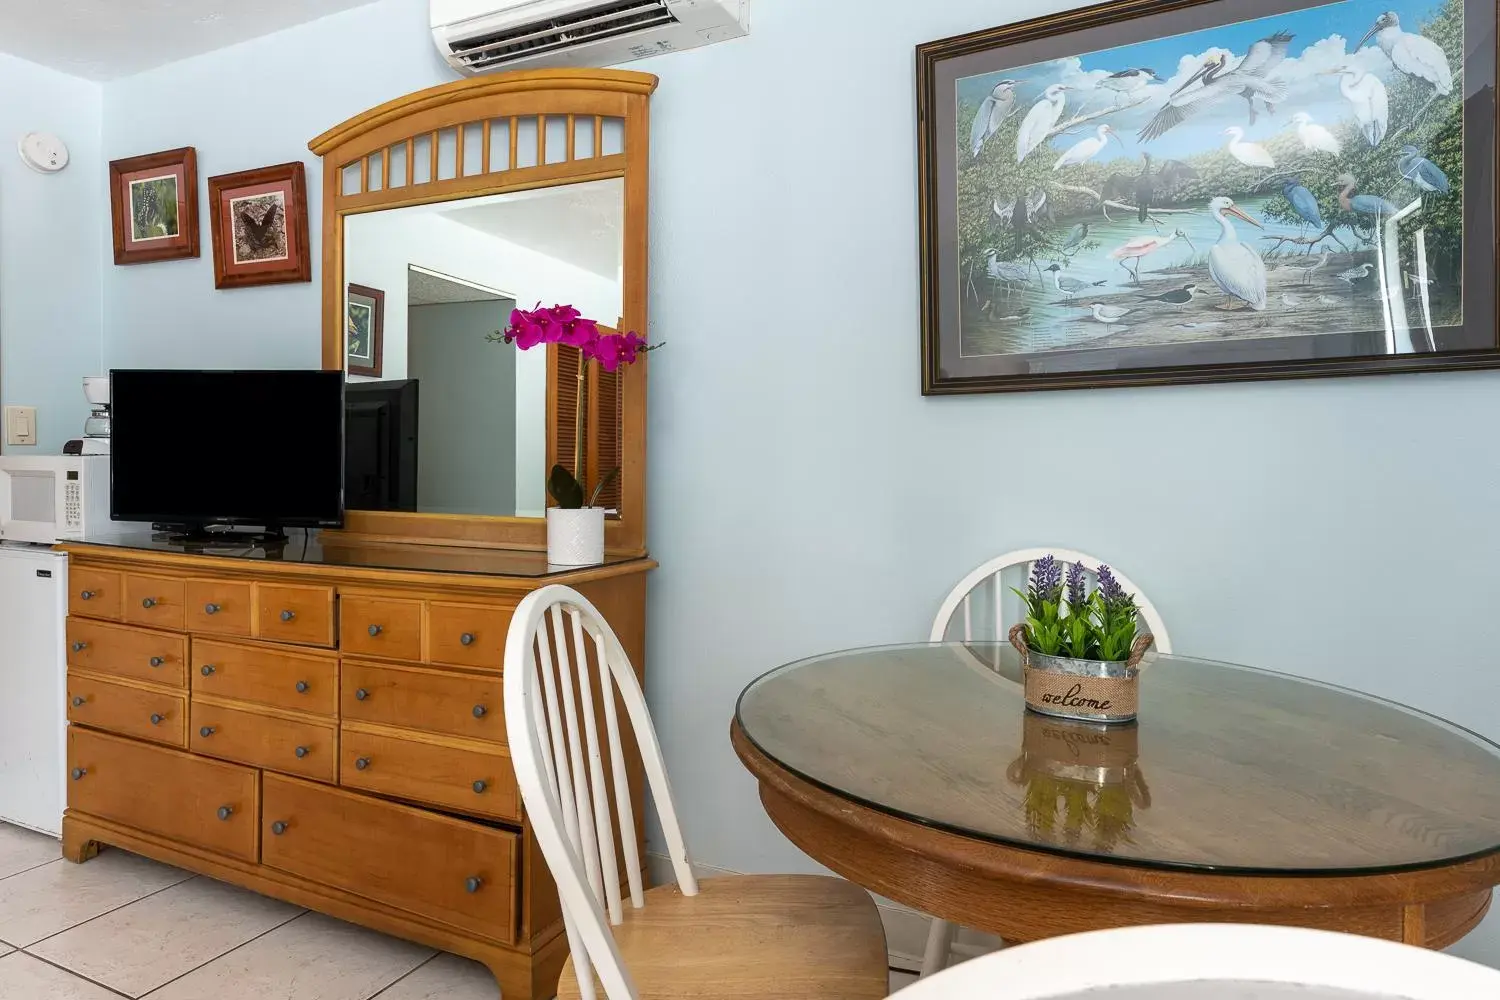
x=51 y=252
x=804 y=496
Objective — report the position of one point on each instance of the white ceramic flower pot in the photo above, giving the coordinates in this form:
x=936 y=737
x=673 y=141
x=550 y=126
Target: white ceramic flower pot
x=575 y=537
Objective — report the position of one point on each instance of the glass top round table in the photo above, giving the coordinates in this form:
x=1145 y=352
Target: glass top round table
x=1229 y=769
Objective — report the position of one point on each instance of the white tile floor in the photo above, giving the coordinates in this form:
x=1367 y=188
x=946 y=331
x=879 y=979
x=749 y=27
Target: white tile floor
x=123 y=926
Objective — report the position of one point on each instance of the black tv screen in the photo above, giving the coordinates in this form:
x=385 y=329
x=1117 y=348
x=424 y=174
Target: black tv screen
x=227 y=447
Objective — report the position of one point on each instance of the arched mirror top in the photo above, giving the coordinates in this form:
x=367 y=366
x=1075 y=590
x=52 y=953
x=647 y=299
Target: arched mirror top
x=550 y=163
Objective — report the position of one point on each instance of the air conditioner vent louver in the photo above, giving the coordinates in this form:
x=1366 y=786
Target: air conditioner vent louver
x=590 y=24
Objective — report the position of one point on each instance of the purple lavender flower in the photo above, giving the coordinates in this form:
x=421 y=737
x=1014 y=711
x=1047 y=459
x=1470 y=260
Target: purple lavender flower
x=1046 y=578
x=1076 y=593
x=1114 y=595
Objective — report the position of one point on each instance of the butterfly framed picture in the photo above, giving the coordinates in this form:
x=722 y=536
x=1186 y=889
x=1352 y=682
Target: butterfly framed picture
x=260 y=226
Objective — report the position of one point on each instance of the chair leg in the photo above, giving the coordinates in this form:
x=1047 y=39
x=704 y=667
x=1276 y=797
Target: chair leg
x=939 y=944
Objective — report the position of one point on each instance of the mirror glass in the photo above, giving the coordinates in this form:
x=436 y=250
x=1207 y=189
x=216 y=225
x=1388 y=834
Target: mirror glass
x=439 y=418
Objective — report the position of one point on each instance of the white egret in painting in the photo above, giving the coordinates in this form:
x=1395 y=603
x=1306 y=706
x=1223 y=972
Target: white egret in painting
x=1315 y=138
x=1040 y=120
x=1251 y=154
x=1085 y=150
x=1372 y=105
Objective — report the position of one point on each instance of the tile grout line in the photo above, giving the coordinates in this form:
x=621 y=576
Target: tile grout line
x=405 y=975
x=32 y=868
x=67 y=971
x=157 y=989
x=113 y=909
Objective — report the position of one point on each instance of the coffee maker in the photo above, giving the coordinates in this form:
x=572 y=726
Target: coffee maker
x=95 y=440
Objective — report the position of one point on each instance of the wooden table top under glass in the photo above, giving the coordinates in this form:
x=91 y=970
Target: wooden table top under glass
x=1238 y=795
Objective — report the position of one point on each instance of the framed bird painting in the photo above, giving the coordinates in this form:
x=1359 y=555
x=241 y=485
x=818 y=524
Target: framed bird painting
x=260 y=226
x=1162 y=191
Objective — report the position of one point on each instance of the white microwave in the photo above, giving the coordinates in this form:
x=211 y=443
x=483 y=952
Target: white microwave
x=54 y=498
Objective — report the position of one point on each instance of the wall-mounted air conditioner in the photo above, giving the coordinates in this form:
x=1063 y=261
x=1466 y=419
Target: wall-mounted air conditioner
x=477 y=36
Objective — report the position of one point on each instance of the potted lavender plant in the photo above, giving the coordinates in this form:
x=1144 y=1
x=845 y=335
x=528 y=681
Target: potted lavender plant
x=575 y=526
x=1081 y=649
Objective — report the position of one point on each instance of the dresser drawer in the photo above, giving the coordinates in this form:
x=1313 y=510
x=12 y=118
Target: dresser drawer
x=95 y=593
x=154 y=601
x=467 y=635
x=377 y=626
x=157 y=657
x=280 y=743
x=145 y=712
x=195 y=801
x=461 y=874
x=294 y=614
x=217 y=607
x=433 y=701
x=300 y=682
x=469 y=777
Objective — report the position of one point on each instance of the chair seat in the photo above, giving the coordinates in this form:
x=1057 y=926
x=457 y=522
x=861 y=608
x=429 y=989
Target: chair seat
x=753 y=936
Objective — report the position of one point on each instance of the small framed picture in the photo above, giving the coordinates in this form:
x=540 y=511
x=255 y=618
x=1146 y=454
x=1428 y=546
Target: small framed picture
x=154 y=206
x=364 y=328
x=260 y=226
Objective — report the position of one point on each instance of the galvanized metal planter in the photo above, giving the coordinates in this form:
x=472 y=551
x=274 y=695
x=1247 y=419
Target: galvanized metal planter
x=1085 y=690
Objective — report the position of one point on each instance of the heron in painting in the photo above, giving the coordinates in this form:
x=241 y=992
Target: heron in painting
x=1142 y=246
x=1145 y=189
x=1251 y=154
x=1236 y=268
x=1074 y=241
x=1308 y=270
x=1315 y=138
x=1372 y=105
x=1040 y=119
x=1302 y=201
x=1250 y=79
x=1421 y=171
x=1361 y=204
x=1127 y=81
x=1413 y=54
x=993 y=110
x=1085 y=150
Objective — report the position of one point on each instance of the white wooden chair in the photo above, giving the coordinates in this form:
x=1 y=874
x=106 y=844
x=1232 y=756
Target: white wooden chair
x=1211 y=962
x=784 y=936
x=981 y=608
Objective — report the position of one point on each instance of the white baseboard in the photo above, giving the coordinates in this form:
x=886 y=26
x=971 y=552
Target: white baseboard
x=905 y=928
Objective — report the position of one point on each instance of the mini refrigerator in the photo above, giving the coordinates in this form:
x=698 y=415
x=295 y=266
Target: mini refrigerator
x=33 y=687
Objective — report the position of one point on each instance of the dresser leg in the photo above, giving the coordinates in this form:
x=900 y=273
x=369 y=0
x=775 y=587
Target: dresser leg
x=77 y=847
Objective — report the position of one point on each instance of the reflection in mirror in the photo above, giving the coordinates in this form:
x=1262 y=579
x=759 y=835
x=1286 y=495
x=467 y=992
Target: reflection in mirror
x=439 y=419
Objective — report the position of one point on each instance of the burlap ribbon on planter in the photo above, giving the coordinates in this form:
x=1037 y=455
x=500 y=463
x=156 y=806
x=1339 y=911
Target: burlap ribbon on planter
x=1114 y=697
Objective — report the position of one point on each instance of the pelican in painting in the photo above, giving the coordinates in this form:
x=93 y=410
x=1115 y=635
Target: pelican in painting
x=1040 y=119
x=1361 y=204
x=1143 y=246
x=1302 y=201
x=1372 y=106
x=1237 y=269
x=1085 y=150
x=1250 y=79
x=1414 y=55
x=1315 y=138
x=1127 y=81
x=1251 y=154
x=993 y=111
x=1421 y=171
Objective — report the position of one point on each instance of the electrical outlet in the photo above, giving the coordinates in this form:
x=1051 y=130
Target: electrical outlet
x=20 y=425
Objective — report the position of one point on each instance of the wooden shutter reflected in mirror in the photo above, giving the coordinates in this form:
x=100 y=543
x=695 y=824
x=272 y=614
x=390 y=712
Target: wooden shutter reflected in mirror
x=605 y=411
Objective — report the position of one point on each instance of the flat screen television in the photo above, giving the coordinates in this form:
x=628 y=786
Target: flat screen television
x=195 y=448
x=380 y=445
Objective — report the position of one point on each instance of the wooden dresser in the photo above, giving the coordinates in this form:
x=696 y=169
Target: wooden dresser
x=326 y=729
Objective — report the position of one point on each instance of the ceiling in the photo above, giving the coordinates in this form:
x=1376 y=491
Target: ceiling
x=428 y=288
x=580 y=224
x=104 y=39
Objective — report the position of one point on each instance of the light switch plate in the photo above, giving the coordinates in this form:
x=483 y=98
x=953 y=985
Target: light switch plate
x=20 y=425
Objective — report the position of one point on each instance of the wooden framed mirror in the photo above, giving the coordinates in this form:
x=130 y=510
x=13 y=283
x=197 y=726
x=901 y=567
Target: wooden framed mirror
x=442 y=210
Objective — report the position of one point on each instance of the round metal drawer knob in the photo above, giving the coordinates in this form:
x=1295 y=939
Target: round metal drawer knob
x=206 y=731
x=207 y=670
x=374 y=630
x=361 y=694
x=361 y=763
x=87 y=595
x=77 y=701
x=225 y=812
x=156 y=718
x=302 y=751
x=473 y=883
x=479 y=711
x=479 y=787
x=157 y=661
x=278 y=828
x=149 y=602
x=79 y=647
x=287 y=616
x=211 y=609
x=302 y=687
x=467 y=639
x=78 y=773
